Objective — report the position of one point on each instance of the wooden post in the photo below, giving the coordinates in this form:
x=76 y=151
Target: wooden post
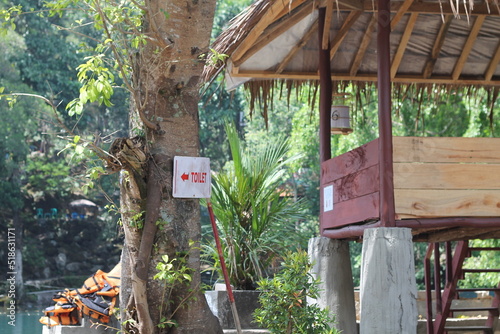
x=333 y=262
x=428 y=292
x=325 y=96
x=437 y=278
x=387 y=211
x=325 y=103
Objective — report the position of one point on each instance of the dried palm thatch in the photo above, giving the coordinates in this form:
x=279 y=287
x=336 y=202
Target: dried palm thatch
x=437 y=47
x=238 y=29
x=469 y=6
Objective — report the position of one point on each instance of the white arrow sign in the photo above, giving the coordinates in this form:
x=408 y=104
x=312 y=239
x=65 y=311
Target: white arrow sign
x=191 y=177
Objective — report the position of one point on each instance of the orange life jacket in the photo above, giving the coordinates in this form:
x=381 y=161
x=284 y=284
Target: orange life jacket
x=96 y=306
x=95 y=299
x=61 y=314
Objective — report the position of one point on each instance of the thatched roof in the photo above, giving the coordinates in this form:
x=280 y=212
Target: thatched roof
x=443 y=43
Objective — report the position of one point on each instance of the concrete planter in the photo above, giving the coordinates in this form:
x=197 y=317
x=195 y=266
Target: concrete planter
x=246 y=302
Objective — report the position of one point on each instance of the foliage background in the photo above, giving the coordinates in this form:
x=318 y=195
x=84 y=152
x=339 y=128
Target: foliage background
x=38 y=57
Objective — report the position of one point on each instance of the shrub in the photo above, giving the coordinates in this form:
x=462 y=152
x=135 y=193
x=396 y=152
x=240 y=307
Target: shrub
x=283 y=300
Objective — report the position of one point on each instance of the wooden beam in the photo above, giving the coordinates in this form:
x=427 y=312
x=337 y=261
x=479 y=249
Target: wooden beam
x=438 y=44
x=268 y=17
x=420 y=7
x=492 y=234
x=462 y=233
x=403 y=43
x=297 y=47
x=289 y=8
x=400 y=13
x=275 y=31
x=328 y=22
x=403 y=79
x=325 y=93
x=450 y=222
x=492 y=66
x=468 y=47
x=365 y=42
x=341 y=34
x=352 y=4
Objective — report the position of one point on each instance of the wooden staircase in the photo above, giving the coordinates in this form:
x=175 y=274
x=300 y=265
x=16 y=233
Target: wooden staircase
x=454 y=272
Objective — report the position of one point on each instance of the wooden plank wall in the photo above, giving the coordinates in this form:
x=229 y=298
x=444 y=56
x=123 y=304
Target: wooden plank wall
x=355 y=179
x=433 y=177
x=446 y=177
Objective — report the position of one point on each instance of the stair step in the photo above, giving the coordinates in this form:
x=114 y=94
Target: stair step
x=472 y=309
x=484 y=248
x=481 y=270
x=477 y=289
x=485 y=329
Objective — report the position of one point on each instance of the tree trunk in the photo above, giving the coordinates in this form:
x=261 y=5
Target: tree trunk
x=165 y=77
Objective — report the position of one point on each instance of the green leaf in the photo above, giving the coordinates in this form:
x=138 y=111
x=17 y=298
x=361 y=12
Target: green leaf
x=79 y=149
x=74 y=107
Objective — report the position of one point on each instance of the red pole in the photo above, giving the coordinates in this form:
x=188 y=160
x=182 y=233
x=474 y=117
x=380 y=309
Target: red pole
x=325 y=93
x=428 y=291
x=224 y=269
x=437 y=279
x=387 y=207
x=325 y=102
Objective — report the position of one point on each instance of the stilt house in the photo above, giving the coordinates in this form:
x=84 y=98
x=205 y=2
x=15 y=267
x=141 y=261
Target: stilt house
x=443 y=189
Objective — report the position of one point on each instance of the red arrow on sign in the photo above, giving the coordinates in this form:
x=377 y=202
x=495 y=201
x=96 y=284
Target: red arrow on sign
x=185 y=177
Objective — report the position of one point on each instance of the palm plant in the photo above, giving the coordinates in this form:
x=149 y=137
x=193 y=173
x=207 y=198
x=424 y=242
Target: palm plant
x=253 y=219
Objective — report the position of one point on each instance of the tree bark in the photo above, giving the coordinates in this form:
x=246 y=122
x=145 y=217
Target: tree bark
x=165 y=77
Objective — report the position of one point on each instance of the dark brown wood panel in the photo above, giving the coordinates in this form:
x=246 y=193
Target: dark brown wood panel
x=357 y=210
x=357 y=184
x=345 y=164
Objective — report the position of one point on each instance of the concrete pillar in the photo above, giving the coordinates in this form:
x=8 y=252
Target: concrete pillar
x=332 y=264
x=388 y=289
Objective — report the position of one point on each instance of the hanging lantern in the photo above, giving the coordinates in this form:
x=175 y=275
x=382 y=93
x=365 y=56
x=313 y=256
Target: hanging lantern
x=340 y=119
